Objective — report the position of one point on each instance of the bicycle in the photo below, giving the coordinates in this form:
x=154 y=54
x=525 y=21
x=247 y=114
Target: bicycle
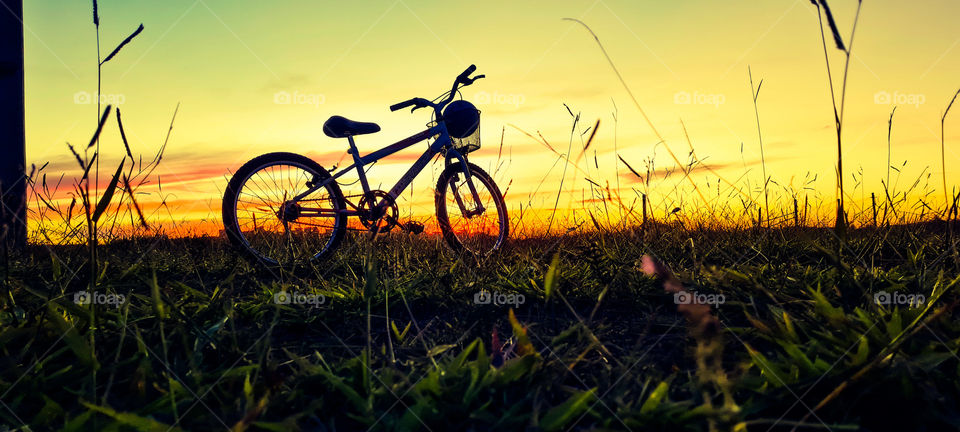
x=284 y=208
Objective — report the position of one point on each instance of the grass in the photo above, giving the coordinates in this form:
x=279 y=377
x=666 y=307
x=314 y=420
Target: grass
x=754 y=94
x=943 y=151
x=824 y=10
x=201 y=344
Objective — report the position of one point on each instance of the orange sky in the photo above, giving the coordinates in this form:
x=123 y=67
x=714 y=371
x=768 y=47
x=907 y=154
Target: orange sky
x=229 y=63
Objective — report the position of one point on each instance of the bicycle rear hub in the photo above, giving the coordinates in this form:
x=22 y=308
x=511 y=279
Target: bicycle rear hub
x=289 y=211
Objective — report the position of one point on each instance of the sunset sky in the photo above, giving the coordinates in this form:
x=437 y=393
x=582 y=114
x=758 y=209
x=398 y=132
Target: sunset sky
x=228 y=63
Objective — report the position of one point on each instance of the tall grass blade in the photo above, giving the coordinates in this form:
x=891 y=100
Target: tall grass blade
x=943 y=157
x=575 y=405
x=550 y=280
x=832 y=24
x=122 y=44
x=108 y=193
x=524 y=346
x=123 y=135
x=77 y=156
x=86 y=171
x=630 y=168
x=656 y=396
x=133 y=199
x=763 y=159
x=889 y=145
x=634 y=99
x=132 y=420
x=593 y=134
x=82 y=350
x=103 y=119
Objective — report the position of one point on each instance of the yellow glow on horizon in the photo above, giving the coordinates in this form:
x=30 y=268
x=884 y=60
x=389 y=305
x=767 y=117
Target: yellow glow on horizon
x=255 y=77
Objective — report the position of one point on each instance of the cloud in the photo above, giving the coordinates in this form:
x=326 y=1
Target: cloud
x=663 y=173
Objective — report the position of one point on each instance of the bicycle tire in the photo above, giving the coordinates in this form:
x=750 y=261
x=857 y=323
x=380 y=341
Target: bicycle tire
x=443 y=216
x=229 y=211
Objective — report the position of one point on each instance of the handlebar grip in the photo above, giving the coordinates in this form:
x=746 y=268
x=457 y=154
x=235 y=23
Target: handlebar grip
x=402 y=105
x=467 y=72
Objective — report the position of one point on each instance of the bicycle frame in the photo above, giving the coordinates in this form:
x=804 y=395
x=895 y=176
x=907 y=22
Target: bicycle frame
x=442 y=143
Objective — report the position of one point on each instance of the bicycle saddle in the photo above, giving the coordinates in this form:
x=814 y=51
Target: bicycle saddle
x=340 y=127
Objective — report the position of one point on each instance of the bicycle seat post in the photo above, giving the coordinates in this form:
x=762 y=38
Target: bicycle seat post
x=353 y=146
x=359 y=164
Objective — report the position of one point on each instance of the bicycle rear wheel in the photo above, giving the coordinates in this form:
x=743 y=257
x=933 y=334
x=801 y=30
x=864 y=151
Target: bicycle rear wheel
x=475 y=224
x=261 y=218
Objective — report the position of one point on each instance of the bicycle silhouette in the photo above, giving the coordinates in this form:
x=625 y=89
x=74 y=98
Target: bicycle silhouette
x=284 y=208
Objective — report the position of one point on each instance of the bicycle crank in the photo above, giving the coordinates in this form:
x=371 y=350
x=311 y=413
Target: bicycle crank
x=378 y=211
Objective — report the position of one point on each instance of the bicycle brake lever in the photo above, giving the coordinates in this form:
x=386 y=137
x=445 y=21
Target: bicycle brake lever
x=420 y=103
x=469 y=81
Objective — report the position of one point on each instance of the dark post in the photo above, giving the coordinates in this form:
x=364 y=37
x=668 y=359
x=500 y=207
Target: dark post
x=13 y=184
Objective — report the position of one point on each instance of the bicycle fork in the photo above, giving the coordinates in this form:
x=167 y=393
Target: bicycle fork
x=479 y=209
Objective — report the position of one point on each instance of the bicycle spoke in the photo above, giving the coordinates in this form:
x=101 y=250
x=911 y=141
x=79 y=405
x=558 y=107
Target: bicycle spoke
x=269 y=222
x=478 y=232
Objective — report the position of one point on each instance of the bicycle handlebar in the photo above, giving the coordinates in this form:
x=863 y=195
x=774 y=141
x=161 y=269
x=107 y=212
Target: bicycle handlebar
x=463 y=78
x=466 y=72
x=468 y=81
x=402 y=105
x=419 y=102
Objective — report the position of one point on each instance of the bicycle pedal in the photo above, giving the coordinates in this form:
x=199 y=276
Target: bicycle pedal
x=414 y=227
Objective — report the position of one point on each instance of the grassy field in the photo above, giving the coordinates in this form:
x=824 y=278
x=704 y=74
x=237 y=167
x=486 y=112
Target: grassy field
x=182 y=334
x=701 y=316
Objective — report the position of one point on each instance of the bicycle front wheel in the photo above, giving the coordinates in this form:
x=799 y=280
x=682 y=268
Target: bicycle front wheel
x=473 y=219
x=262 y=217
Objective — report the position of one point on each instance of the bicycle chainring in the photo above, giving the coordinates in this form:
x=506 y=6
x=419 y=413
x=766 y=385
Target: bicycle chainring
x=374 y=215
